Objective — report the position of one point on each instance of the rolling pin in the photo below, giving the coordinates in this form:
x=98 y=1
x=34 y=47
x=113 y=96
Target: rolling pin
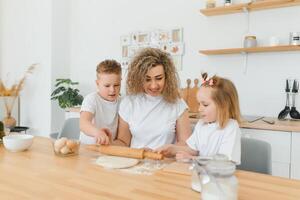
x=125 y=152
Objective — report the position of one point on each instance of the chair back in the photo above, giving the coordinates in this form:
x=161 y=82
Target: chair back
x=70 y=129
x=255 y=156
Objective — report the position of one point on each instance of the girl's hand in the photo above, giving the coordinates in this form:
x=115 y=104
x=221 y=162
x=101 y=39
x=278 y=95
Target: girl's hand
x=104 y=136
x=168 y=150
x=183 y=156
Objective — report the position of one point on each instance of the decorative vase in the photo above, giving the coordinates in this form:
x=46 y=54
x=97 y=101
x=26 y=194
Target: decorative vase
x=9 y=121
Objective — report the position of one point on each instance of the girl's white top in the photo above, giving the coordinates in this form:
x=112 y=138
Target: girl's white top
x=209 y=140
x=151 y=120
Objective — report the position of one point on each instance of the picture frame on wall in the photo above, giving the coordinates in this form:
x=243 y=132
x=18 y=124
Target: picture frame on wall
x=176 y=35
x=143 y=38
x=176 y=48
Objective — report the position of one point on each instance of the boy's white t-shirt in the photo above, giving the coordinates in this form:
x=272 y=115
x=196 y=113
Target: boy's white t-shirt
x=151 y=120
x=210 y=140
x=105 y=115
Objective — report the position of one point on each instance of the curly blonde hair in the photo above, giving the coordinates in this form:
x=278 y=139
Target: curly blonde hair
x=143 y=61
x=225 y=96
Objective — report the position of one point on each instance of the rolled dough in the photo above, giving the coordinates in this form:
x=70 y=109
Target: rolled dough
x=115 y=162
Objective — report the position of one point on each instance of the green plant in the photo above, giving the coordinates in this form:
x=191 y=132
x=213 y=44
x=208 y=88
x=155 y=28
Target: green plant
x=66 y=94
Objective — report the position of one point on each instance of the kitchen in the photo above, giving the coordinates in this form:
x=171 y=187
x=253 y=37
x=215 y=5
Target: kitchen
x=68 y=39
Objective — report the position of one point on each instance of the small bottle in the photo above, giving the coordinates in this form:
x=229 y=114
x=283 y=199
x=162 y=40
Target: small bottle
x=227 y=2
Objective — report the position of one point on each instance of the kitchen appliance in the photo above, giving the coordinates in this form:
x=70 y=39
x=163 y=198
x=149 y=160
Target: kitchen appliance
x=283 y=114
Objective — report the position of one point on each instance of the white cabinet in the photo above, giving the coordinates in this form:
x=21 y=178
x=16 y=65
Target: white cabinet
x=295 y=156
x=281 y=148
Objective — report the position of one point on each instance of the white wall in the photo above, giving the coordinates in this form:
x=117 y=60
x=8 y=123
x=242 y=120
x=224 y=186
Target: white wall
x=70 y=37
x=26 y=39
x=60 y=54
x=97 y=27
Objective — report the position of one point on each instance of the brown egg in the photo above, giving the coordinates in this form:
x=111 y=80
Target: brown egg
x=65 y=150
x=59 y=144
x=72 y=145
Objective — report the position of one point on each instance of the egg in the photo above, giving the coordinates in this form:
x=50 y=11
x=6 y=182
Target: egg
x=65 y=150
x=59 y=144
x=72 y=145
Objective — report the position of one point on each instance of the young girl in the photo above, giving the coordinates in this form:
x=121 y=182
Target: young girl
x=217 y=132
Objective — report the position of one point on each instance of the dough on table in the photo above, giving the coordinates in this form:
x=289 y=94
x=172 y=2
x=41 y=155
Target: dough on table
x=115 y=162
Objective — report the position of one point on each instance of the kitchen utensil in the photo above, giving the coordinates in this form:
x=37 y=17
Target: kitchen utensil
x=268 y=121
x=286 y=109
x=125 y=152
x=293 y=112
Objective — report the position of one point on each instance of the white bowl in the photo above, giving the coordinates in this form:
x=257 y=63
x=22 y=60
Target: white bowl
x=17 y=142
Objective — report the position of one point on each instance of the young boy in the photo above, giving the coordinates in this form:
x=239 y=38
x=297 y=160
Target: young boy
x=99 y=110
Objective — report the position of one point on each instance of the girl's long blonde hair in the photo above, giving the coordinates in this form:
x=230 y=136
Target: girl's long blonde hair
x=142 y=63
x=225 y=96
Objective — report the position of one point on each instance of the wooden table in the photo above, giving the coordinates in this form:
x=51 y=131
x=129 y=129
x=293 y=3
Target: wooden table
x=39 y=174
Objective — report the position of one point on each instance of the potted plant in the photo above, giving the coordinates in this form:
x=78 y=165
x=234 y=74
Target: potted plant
x=67 y=95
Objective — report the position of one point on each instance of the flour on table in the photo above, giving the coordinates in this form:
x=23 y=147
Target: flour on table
x=115 y=162
x=146 y=167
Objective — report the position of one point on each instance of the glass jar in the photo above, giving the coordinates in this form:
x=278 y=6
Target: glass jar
x=221 y=183
x=198 y=173
x=295 y=38
x=250 y=41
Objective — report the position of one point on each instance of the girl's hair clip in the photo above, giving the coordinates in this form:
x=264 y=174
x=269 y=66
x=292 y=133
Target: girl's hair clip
x=206 y=80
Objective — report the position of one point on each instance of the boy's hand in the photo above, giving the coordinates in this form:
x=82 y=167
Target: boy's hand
x=104 y=136
x=168 y=150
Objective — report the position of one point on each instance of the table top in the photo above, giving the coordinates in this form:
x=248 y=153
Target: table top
x=39 y=174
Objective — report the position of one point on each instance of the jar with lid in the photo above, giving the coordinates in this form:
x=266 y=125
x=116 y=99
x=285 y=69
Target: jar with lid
x=250 y=41
x=222 y=183
x=198 y=172
x=227 y=2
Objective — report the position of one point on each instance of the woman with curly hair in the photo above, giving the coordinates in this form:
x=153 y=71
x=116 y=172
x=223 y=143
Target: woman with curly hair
x=153 y=113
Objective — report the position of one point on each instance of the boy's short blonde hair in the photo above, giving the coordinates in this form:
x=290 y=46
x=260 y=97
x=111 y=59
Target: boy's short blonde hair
x=143 y=61
x=225 y=96
x=109 y=67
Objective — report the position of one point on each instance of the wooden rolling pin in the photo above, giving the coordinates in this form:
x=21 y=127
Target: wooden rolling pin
x=125 y=152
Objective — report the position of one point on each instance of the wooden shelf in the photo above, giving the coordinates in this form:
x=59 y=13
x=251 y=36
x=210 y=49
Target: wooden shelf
x=254 y=6
x=251 y=50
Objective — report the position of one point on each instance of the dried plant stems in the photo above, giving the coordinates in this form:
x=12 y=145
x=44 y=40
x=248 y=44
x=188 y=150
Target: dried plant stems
x=14 y=91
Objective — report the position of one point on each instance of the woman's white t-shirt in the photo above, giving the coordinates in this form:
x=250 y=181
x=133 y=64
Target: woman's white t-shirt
x=209 y=140
x=105 y=115
x=151 y=120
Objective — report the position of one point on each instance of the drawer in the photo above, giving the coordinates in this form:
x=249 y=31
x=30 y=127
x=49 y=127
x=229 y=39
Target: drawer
x=295 y=171
x=280 y=142
x=281 y=169
x=295 y=159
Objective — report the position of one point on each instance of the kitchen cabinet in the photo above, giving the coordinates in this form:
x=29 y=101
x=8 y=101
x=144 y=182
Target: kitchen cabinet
x=280 y=142
x=252 y=6
x=295 y=156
